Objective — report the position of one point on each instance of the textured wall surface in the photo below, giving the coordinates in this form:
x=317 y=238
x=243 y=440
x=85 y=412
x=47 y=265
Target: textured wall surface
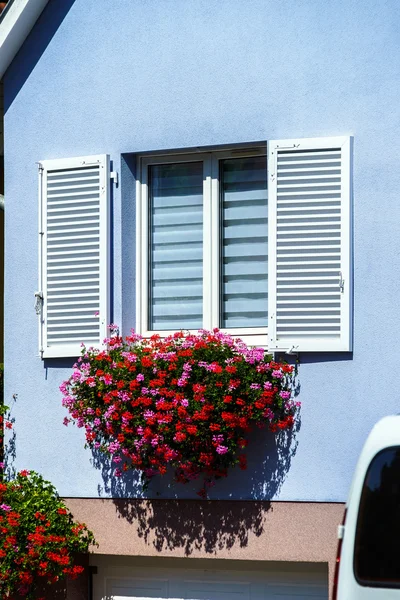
x=138 y=75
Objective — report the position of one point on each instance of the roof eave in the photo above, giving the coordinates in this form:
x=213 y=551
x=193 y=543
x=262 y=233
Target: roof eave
x=17 y=21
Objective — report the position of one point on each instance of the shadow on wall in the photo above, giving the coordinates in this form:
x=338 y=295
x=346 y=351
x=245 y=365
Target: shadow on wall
x=33 y=48
x=205 y=526
x=174 y=522
x=10 y=447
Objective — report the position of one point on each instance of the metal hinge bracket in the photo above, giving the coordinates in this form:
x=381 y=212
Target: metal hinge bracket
x=341 y=282
x=38 y=302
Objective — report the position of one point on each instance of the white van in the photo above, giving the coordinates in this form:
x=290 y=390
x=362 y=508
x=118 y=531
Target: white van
x=368 y=562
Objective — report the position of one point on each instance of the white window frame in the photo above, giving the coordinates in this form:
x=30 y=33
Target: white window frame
x=211 y=239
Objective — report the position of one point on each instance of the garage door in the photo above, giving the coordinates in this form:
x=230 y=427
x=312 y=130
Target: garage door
x=118 y=581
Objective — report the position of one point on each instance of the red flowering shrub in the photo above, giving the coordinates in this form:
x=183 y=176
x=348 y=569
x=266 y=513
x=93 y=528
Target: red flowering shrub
x=186 y=401
x=38 y=537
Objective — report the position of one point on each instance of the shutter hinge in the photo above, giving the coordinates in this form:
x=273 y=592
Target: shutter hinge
x=293 y=351
x=40 y=168
x=341 y=282
x=288 y=147
x=38 y=302
x=114 y=176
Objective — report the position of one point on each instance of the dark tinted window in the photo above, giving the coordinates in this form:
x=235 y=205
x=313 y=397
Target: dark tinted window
x=377 y=544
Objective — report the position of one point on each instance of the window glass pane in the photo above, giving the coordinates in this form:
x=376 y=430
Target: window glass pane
x=176 y=246
x=377 y=544
x=244 y=301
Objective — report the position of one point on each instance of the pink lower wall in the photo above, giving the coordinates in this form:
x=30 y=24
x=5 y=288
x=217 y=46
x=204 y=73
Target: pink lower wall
x=276 y=531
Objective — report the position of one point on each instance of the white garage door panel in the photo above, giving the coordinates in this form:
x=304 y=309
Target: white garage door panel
x=118 y=581
x=144 y=589
x=297 y=592
x=203 y=590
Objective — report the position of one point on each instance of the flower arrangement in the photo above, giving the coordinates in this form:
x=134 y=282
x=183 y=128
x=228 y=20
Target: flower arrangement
x=185 y=401
x=39 y=538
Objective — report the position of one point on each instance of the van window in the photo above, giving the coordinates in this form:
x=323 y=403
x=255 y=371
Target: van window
x=377 y=543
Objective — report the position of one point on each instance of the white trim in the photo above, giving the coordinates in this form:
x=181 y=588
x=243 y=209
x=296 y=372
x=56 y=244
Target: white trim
x=211 y=239
x=18 y=20
x=207 y=242
x=347 y=244
x=139 y=245
x=272 y=243
x=215 y=243
x=104 y=247
x=40 y=260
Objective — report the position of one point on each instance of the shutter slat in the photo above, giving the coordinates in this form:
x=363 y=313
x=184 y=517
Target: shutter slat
x=71 y=238
x=332 y=177
x=78 y=225
x=309 y=244
x=71 y=186
x=81 y=171
x=310 y=172
x=74 y=207
x=82 y=245
x=318 y=161
x=67 y=301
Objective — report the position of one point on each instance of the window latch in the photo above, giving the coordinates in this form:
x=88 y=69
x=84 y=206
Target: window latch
x=38 y=302
x=341 y=282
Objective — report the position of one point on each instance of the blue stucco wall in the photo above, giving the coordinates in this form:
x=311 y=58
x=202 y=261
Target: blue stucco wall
x=136 y=75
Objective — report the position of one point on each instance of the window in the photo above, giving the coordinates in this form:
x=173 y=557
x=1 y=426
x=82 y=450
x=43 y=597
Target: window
x=264 y=254
x=376 y=559
x=221 y=241
x=204 y=243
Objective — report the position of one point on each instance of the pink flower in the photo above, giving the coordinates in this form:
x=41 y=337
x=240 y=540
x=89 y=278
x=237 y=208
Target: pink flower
x=269 y=414
x=129 y=356
x=222 y=449
x=114 y=447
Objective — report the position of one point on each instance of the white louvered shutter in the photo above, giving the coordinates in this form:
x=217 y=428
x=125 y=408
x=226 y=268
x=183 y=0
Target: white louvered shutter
x=309 y=237
x=74 y=242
